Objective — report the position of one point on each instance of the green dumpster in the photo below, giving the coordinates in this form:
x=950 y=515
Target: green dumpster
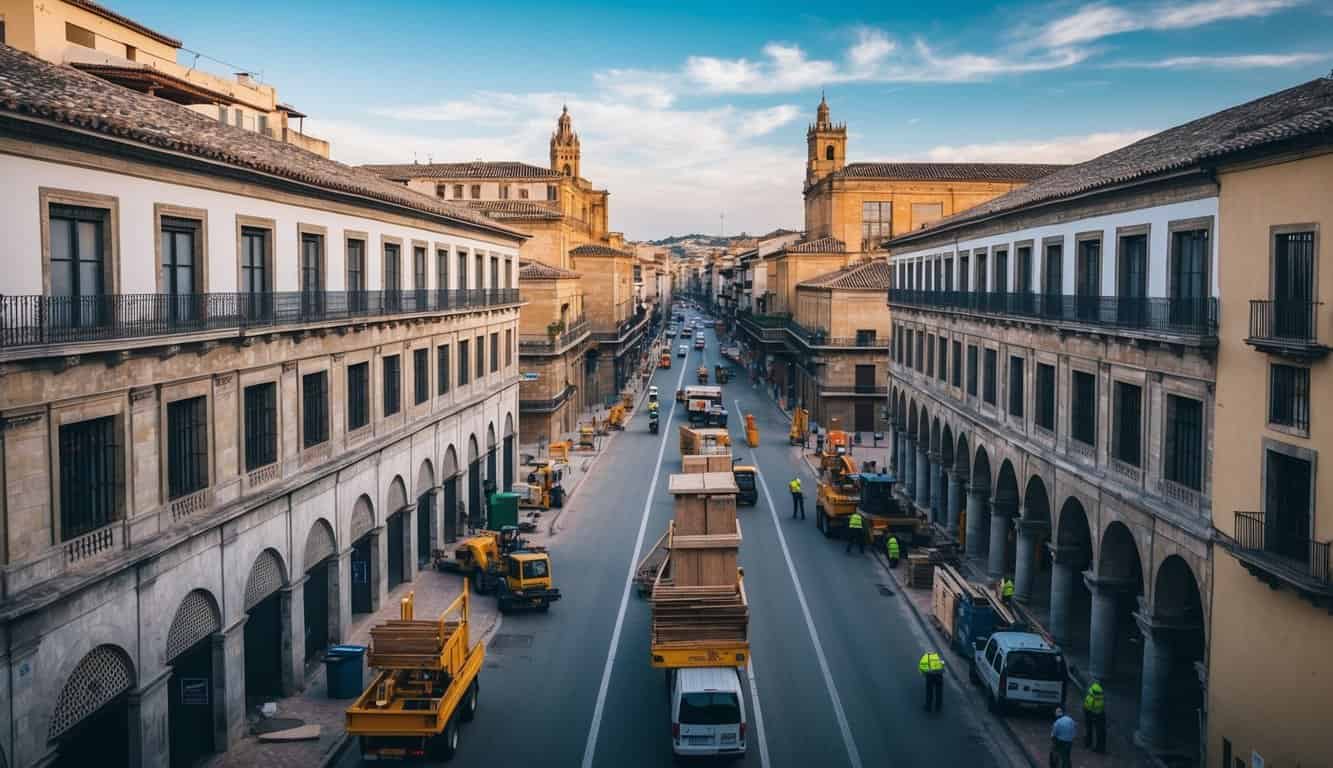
x=503 y=510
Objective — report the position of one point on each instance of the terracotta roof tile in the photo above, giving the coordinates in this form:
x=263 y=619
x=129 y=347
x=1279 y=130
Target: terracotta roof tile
x=593 y=249
x=478 y=169
x=58 y=94
x=822 y=245
x=536 y=270
x=868 y=275
x=948 y=171
x=111 y=15
x=1302 y=112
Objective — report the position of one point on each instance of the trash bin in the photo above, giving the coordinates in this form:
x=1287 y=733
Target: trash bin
x=557 y=497
x=343 y=666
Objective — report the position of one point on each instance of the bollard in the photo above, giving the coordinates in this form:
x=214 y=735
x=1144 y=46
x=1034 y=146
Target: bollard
x=751 y=431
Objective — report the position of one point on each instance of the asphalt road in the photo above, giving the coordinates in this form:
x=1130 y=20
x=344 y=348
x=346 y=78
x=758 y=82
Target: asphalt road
x=833 y=658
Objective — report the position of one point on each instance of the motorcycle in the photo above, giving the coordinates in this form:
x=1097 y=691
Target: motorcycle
x=652 y=424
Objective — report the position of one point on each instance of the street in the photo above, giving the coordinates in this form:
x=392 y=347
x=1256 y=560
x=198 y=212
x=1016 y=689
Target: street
x=834 y=658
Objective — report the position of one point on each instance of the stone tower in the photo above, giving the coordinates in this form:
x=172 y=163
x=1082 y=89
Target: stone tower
x=827 y=145
x=565 y=146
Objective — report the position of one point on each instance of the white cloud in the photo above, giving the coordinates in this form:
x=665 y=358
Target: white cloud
x=1063 y=149
x=1238 y=61
x=872 y=47
x=652 y=89
x=1100 y=20
x=446 y=111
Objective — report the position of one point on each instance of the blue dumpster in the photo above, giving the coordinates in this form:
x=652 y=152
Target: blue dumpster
x=342 y=669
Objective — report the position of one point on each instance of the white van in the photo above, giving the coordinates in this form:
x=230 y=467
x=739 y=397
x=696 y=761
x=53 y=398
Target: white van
x=707 y=712
x=1019 y=668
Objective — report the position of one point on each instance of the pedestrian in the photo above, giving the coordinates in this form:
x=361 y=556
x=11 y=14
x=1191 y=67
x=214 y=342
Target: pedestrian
x=797 y=498
x=1094 y=718
x=893 y=551
x=856 y=532
x=1006 y=590
x=932 y=671
x=1063 y=731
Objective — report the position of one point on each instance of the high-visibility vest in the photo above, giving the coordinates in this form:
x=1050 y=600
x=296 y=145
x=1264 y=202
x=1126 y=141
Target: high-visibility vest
x=854 y=521
x=795 y=485
x=1006 y=588
x=930 y=662
x=1095 y=702
x=893 y=547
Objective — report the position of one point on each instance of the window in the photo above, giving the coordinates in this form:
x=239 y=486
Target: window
x=441 y=190
x=948 y=274
x=1088 y=278
x=187 y=446
x=393 y=275
x=480 y=368
x=909 y=348
x=1052 y=279
x=1023 y=273
x=972 y=370
x=509 y=347
x=181 y=272
x=980 y=257
x=1188 y=278
x=421 y=375
x=1000 y=283
x=80 y=36
x=458 y=191
x=356 y=275
x=90 y=476
x=393 y=384
x=2 y=31
x=876 y=224
x=1289 y=397
x=254 y=260
x=962 y=272
x=1183 y=457
x=479 y=274
x=989 y=385
x=442 y=369
x=522 y=193
x=943 y=353
x=358 y=396
x=463 y=362
x=1016 y=386
x=419 y=279
x=552 y=192
x=261 y=425
x=441 y=269
x=930 y=355
x=312 y=273
x=958 y=364
x=495 y=273
x=1288 y=503
x=1083 y=408
x=462 y=270
x=1045 y=415
x=504 y=191
x=315 y=408
x=78 y=262
x=1132 y=279
x=828 y=153
x=1127 y=423
x=476 y=192
x=1293 y=285
x=920 y=351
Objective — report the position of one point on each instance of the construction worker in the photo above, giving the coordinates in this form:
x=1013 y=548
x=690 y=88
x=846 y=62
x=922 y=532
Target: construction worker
x=1006 y=590
x=797 y=498
x=1094 y=718
x=932 y=670
x=893 y=551
x=856 y=532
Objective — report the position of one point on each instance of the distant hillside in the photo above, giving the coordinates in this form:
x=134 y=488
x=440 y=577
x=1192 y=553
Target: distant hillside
x=684 y=245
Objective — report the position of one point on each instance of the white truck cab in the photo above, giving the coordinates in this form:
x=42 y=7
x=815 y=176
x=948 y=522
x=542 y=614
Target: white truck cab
x=1019 y=668
x=707 y=712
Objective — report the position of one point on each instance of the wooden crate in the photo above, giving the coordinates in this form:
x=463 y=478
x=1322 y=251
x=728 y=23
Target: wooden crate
x=720 y=514
x=920 y=570
x=694 y=465
x=703 y=567
x=718 y=463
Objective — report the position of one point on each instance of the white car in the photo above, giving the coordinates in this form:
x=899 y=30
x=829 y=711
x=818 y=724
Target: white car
x=682 y=350
x=707 y=712
x=1019 y=668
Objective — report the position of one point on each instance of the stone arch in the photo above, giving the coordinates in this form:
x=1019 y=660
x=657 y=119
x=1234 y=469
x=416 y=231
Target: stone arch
x=196 y=618
x=902 y=409
x=1176 y=634
x=980 y=478
x=1176 y=595
x=911 y=419
x=449 y=467
x=267 y=575
x=1119 y=556
x=425 y=477
x=1036 y=501
x=1073 y=529
x=829 y=153
x=963 y=457
x=101 y=675
x=490 y=435
x=935 y=435
x=363 y=517
x=946 y=447
x=320 y=543
x=472 y=451
x=509 y=424
x=397 y=498
x=923 y=429
x=1004 y=511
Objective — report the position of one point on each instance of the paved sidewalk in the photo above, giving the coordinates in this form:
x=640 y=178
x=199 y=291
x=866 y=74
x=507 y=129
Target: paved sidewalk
x=434 y=591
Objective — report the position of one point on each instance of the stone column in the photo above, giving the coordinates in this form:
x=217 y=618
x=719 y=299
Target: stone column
x=230 y=644
x=291 y=614
x=1154 y=690
x=379 y=568
x=922 y=477
x=955 y=499
x=410 y=542
x=438 y=513
x=1025 y=561
x=937 y=492
x=1102 y=629
x=1062 y=592
x=150 y=740
x=1000 y=515
x=893 y=447
x=976 y=507
x=340 y=596
x=909 y=471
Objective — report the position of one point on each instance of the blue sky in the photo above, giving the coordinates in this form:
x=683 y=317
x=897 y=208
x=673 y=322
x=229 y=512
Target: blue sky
x=688 y=110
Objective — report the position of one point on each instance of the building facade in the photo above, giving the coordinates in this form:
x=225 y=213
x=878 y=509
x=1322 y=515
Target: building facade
x=554 y=334
x=239 y=405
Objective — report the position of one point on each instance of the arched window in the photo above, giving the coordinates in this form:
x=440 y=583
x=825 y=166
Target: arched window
x=828 y=153
x=568 y=170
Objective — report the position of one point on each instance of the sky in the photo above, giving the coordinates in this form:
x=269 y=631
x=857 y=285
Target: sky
x=693 y=115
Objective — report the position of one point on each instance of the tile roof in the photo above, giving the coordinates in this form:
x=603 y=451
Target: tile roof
x=869 y=275
x=822 y=245
x=110 y=15
x=515 y=209
x=593 y=249
x=1302 y=112
x=32 y=88
x=536 y=270
x=948 y=171
x=477 y=169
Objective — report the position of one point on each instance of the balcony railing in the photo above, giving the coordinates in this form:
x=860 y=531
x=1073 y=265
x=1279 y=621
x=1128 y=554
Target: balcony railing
x=1285 y=553
x=547 y=406
x=622 y=329
x=39 y=320
x=818 y=337
x=1191 y=317
x=1286 y=326
x=537 y=343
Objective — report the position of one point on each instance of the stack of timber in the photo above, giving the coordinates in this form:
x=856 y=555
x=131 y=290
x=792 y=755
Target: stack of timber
x=398 y=644
x=950 y=588
x=705 y=535
x=920 y=570
x=698 y=616
x=704 y=449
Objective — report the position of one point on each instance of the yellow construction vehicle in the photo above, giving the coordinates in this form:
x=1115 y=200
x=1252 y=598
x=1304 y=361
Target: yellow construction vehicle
x=665 y=360
x=800 y=425
x=837 y=495
x=425 y=686
x=587 y=437
x=837 y=444
x=501 y=562
x=560 y=451
x=747 y=483
x=615 y=418
x=542 y=489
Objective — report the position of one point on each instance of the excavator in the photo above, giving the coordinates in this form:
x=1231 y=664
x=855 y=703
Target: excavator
x=502 y=562
x=542 y=489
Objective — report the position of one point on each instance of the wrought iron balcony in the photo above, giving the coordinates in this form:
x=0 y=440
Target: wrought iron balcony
x=549 y=343
x=547 y=406
x=1179 y=317
x=1287 y=327
x=818 y=337
x=42 y=320
x=1281 y=556
x=623 y=329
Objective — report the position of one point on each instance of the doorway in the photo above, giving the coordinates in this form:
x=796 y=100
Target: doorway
x=425 y=527
x=363 y=552
x=451 y=516
x=102 y=739
x=263 y=650
x=396 y=546
x=315 y=596
x=190 y=704
x=864 y=416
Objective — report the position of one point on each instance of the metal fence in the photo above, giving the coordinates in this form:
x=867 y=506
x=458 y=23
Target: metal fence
x=1258 y=533
x=1285 y=320
x=1192 y=317
x=531 y=342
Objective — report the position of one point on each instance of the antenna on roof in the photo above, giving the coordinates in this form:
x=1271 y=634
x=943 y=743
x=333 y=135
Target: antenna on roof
x=430 y=159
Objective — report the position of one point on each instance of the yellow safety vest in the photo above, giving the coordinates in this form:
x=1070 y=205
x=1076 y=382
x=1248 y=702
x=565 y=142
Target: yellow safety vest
x=893 y=546
x=795 y=485
x=1006 y=588
x=854 y=521
x=931 y=662
x=1095 y=701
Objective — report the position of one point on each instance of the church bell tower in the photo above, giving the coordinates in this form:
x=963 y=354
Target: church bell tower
x=826 y=143
x=565 y=146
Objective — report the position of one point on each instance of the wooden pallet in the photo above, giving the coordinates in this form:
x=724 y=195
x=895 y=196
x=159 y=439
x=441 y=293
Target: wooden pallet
x=920 y=570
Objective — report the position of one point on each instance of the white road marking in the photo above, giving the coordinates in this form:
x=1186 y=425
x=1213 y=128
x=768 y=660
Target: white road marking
x=590 y=748
x=758 y=714
x=853 y=756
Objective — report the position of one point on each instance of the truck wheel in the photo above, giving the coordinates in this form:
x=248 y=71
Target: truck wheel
x=545 y=606
x=504 y=605
x=469 y=711
x=445 y=746
x=479 y=582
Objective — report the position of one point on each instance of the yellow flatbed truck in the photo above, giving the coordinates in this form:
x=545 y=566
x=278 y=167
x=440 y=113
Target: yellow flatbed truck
x=426 y=685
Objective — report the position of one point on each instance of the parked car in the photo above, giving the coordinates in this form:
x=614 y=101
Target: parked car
x=683 y=350
x=1019 y=668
